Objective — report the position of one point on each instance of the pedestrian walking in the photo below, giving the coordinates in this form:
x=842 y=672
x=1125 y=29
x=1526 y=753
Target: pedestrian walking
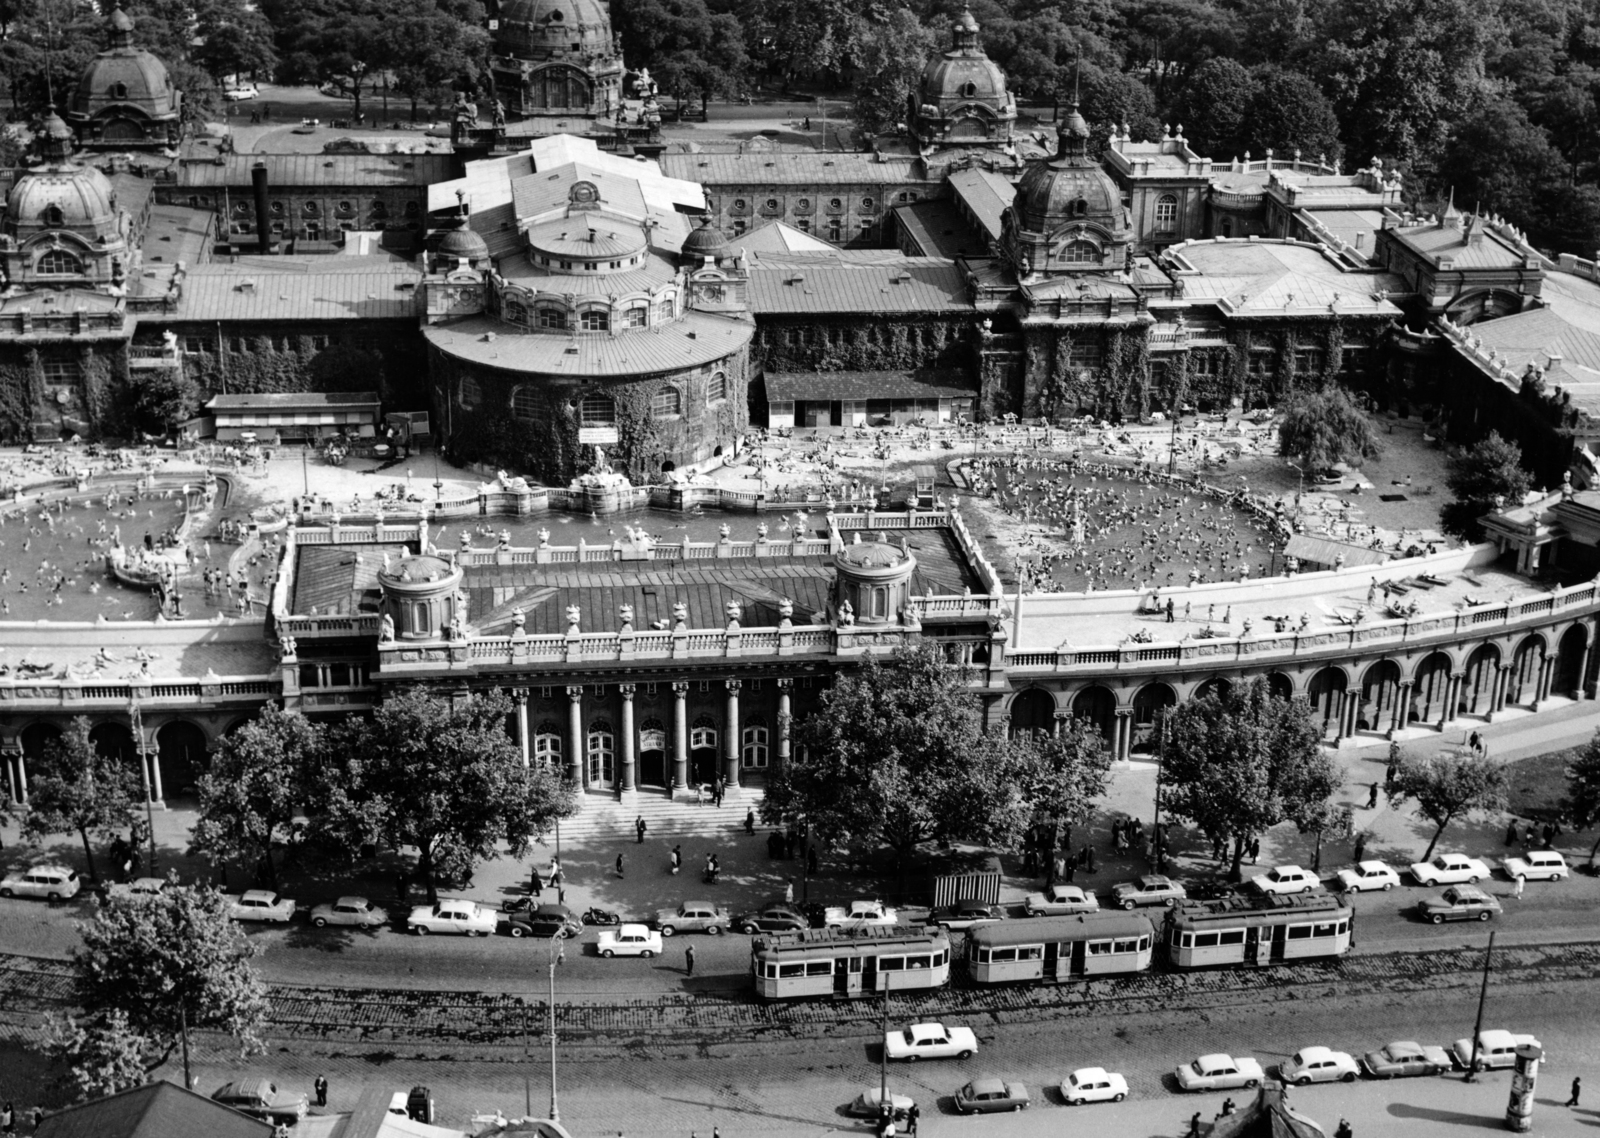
x=750 y=821
x=911 y=1118
x=1194 y=1125
x=1089 y=850
x=8 y=1120
x=1372 y=797
x=1255 y=850
x=788 y=892
x=811 y=860
x=640 y=827
x=1511 y=833
x=1516 y=888
x=677 y=859
x=1344 y=1130
x=38 y=1116
x=619 y=865
x=688 y=960
x=535 y=884
x=321 y=1087
x=1361 y=848
x=1577 y=1085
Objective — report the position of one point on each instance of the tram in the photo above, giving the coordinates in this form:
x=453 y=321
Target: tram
x=820 y=962
x=1258 y=930
x=1051 y=950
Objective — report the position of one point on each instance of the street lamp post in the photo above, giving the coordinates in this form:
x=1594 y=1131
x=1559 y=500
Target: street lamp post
x=1477 y=1027
x=557 y=956
x=136 y=721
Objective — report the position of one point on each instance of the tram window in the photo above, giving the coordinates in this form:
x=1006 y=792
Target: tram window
x=1299 y=932
x=1234 y=937
x=917 y=962
x=1103 y=947
x=1031 y=952
x=894 y=963
x=1324 y=930
x=787 y=970
x=1144 y=944
x=999 y=954
x=1344 y=927
x=1181 y=939
x=940 y=957
x=819 y=968
x=981 y=955
x=1205 y=940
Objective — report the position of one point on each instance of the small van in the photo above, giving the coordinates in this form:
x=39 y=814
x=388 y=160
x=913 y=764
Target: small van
x=52 y=882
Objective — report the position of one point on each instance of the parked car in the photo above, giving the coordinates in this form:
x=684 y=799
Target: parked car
x=1318 y=1065
x=931 y=1041
x=630 y=940
x=450 y=916
x=261 y=905
x=988 y=1095
x=1060 y=900
x=1286 y=879
x=1459 y=903
x=357 y=911
x=1151 y=889
x=775 y=917
x=260 y=1098
x=52 y=882
x=1093 y=1084
x=1496 y=1048
x=965 y=914
x=1404 y=1059
x=240 y=92
x=1536 y=865
x=1449 y=869
x=1367 y=876
x=693 y=917
x=1219 y=1072
x=859 y=914
x=140 y=888
x=544 y=922
x=869 y=1104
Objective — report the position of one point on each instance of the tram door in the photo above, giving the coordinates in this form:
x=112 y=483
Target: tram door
x=1280 y=937
x=867 y=977
x=1252 y=946
x=1080 y=956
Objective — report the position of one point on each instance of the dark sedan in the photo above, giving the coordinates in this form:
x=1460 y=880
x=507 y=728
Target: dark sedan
x=544 y=921
x=774 y=918
x=1404 y=1060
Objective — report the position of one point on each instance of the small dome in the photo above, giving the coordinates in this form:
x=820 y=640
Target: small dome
x=121 y=21
x=965 y=22
x=957 y=77
x=555 y=25
x=580 y=238
x=78 y=198
x=1069 y=187
x=419 y=570
x=56 y=130
x=705 y=240
x=463 y=243
x=873 y=555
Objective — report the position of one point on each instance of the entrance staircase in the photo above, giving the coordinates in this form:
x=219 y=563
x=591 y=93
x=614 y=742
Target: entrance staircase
x=601 y=817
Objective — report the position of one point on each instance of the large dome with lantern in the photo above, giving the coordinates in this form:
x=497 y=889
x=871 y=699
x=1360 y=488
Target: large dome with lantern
x=125 y=97
x=963 y=98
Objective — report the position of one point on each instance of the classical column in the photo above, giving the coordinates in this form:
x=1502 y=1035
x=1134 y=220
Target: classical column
x=17 y=770
x=680 y=734
x=628 y=747
x=1342 y=717
x=1352 y=711
x=1545 y=679
x=1402 y=700
x=1124 y=734
x=730 y=771
x=1502 y=675
x=153 y=754
x=521 y=696
x=1582 y=690
x=575 y=729
x=1452 y=692
x=785 y=686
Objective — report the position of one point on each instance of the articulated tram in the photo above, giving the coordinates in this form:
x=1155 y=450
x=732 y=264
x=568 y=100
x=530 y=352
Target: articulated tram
x=1258 y=930
x=1051 y=950
x=820 y=962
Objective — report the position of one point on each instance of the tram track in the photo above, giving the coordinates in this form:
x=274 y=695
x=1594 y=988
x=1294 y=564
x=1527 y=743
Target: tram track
x=33 y=985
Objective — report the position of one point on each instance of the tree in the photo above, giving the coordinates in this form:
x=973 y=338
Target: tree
x=170 y=963
x=690 y=49
x=164 y=398
x=1238 y=764
x=432 y=49
x=1309 y=787
x=1061 y=776
x=96 y=1056
x=1446 y=786
x=1108 y=99
x=1583 y=791
x=1213 y=108
x=440 y=775
x=74 y=789
x=1288 y=112
x=257 y=781
x=1322 y=428
x=1498 y=158
x=894 y=755
x=1480 y=479
x=889 y=57
x=232 y=38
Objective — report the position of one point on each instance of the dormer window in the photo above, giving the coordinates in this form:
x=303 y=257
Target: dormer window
x=53 y=216
x=1080 y=208
x=118 y=91
x=970 y=90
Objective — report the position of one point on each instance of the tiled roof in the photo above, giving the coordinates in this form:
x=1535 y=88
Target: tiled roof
x=218 y=292
x=773 y=168
x=940 y=229
x=927 y=384
x=1346 y=224
x=986 y=194
x=155 y=1110
x=655 y=271
x=777 y=237
x=1258 y=278
x=667 y=347
x=1437 y=242
x=336 y=579
x=324 y=263
x=1529 y=337
x=907 y=284
x=330 y=170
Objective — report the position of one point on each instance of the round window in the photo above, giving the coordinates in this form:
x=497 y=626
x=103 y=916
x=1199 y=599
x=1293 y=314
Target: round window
x=772 y=203
x=866 y=203
x=277 y=207
x=804 y=203
x=738 y=203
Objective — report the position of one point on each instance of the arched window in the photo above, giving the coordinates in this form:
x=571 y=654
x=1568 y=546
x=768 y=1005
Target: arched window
x=379 y=209
x=310 y=209
x=754 y=749
x=597 y=411
x=969 y=90
x=602 y=752
x=717 y=387
x=118 y=91
x=471 y=393
x=702 y=736
x=596 y=320
x=58 y=263
x=1080 y=253
x=547 y=745
x=525 y=403
x=1166 y=213
x=667 y=401
x=1080 y=208
x=53 y=216
x=636 y=317
x=551 y=317
x=514 y=311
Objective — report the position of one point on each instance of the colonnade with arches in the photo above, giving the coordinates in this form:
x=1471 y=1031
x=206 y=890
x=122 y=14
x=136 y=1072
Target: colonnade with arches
x=171 y=758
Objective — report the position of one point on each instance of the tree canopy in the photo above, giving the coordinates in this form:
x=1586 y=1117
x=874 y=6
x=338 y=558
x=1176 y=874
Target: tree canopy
x=1487 y=473
x=1238 y=764
x=1583 y=790
x=1448 y=786
x=1326 y=427
x=74 y=789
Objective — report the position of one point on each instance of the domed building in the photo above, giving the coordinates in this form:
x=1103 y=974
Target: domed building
x=1068 y=215
x=125 y=97
x=63 y=227
x=963 y=101
x=557 y=59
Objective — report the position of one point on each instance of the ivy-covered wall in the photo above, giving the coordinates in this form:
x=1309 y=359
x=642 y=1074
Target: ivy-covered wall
x=538 y=434
x=384 y=357
x=868 y=343
x=98 y=407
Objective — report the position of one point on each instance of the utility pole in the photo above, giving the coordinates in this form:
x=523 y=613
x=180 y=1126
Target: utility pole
x=1477 y=1028
x=136 y=720
x=885 y=1107
x=557 y=955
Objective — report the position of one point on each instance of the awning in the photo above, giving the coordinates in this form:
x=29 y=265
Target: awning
x=786 y=386
x=307 y=419
x=1325 y=552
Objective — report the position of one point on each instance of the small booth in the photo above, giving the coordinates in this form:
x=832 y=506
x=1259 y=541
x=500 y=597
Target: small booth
x=924 y=474
x=291 y=417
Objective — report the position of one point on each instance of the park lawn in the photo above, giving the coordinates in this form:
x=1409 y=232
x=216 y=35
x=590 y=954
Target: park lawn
x=1538 y=785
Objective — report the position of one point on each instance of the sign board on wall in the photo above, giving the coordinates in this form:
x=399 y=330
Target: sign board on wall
x=597 y=436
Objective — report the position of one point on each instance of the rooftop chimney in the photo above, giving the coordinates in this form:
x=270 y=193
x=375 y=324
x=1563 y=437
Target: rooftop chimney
x=258 y=186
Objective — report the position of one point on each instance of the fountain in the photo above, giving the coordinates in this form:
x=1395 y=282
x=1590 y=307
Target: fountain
x=605 y=491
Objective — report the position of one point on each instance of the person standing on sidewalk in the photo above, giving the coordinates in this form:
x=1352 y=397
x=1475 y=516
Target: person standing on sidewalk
x=321 y=1087
x=1516 y=888
x=640 y=827
x=677 y=859
x=619 y=865
x=688 y=960
x=1577 y=1085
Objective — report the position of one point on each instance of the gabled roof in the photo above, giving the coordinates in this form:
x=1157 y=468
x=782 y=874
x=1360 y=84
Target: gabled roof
x=330 y=170
x=778 y=237
x=832 y=284
x=157 y=1110
x=1434 y=243
x=227 y=292
x=986 y=194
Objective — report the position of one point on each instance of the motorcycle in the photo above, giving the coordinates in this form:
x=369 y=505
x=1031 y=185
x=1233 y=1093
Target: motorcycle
x=601 y=917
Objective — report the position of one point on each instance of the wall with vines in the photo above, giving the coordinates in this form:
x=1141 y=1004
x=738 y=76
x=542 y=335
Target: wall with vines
x=868 y=343
x=284 y=360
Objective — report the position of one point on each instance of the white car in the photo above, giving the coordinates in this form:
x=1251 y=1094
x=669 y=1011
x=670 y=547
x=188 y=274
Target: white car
x=466 y=918
x=1219 y=1072
x=356 y=911
x=930 y=1041
x=261 y=905
x=1536 y=865
x=630 y=940
x=1282 y=879
x=1496 y=1048
x=52 y=882
x=1318 y=1065
x=1093 y=1084
x=240 y=93
x=859 y=914
x=1059 y=901
x=1449 y=869
x=1368 y=875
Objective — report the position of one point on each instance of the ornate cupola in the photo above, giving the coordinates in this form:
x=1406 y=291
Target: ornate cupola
x=62 y=224
x=125 y=97
x=1068 y=215
x=873 y=581
x=963 y=101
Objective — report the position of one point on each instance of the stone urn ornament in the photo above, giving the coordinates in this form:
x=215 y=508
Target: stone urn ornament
x=574 y=615
x=680 y=615
x=734 y=611
x=785 y=612
x=519 y=620
x=544 y=538
x=625 y=615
